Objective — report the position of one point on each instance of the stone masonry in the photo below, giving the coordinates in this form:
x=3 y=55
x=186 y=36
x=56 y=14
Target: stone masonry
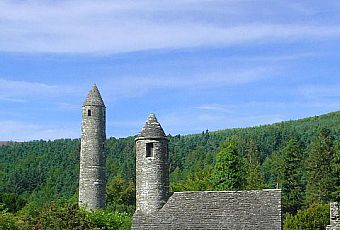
x=232 y=210
x=152 y=167
x=334 y=217
x=92 y=156
x=156 y=208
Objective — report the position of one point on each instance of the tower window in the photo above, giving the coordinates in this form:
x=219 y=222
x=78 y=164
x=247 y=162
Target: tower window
x=149 y=149
x=89 y=113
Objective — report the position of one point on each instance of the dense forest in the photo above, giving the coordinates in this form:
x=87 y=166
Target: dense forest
x=39 y=179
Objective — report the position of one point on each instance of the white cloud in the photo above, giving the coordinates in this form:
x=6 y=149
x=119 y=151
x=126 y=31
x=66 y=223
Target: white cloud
x=19 y=91
x=7 y=86
x=212 y=107
x=138 y=85
x=9 y=99
x=279 y=57
x=125 y=26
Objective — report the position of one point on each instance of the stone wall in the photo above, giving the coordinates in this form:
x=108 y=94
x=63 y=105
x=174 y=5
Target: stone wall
x=92 y=157
x=152 y=174
x=216 y=210
x=334 y=220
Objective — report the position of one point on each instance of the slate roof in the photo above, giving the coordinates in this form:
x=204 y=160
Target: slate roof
x=94 y=98
x=232 y=210
x=152 y=128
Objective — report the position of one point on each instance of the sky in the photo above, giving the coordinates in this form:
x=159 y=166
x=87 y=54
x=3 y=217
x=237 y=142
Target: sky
x=196 y=64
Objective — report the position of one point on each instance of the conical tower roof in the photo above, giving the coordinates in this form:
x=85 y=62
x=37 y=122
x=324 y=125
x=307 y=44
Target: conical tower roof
x=152 y=128
x=94 y=97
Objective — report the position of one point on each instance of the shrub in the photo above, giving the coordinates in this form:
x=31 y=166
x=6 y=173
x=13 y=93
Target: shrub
x=12 y=202
x=104 y=219
x=314 y=217
x=8 y=221
x=68 y=216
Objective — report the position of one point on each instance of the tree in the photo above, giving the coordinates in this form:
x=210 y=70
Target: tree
x=120 y=195
x=197 y=181
x=273 y=170
x=227 y=173
x=336 y=172
x=320 y=181
x=292 y=187
x=253 y=175
x=11 y=202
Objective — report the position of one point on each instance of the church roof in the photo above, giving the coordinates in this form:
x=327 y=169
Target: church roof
x=94 y=97
x=216 y=210
x=152 y=128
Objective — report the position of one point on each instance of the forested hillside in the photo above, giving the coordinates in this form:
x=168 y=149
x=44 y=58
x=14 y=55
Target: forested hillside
x=39 y=179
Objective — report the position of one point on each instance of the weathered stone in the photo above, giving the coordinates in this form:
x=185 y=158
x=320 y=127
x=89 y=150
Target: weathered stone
x=157 y=209
x=152 y=167
x=334 y=217
x=92 y=182
x=231 y=210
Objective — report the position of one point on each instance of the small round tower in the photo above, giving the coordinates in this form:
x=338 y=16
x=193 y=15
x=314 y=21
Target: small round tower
x=92 y=181
x=152 y=167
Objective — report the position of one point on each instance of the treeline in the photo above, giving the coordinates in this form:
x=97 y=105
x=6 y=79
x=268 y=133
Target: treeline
x=300 y=157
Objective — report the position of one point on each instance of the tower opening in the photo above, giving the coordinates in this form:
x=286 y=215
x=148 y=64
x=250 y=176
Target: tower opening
x=89 y=113
x=149 y=149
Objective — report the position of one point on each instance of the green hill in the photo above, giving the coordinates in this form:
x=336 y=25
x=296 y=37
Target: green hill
x=41 y=171
x=29 y=167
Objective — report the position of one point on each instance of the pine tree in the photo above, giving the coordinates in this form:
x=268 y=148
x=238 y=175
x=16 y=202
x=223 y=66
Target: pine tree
x=227 y=173
x=336 y=173
x=292 y=187
x=253 y=176
x=320 y=181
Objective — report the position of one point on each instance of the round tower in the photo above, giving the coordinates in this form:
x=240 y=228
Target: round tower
x=92 y=182
x=152 y=167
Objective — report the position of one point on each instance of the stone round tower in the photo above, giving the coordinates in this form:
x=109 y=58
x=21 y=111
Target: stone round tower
x=92 y=182
x=152 y=167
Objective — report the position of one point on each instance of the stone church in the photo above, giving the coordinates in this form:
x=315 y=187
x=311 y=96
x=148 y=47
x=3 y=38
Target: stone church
x=156 y=206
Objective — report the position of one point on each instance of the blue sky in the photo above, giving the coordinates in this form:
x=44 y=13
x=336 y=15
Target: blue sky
x=197 y=64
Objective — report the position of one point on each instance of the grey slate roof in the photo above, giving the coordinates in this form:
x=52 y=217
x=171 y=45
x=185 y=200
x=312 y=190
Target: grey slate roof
x=152 y=128
x=232 y=210
x=94 y=97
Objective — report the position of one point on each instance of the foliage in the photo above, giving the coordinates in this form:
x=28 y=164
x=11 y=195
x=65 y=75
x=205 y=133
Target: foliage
x=120 y=195
x=38 y=172
x=8 y=221
x=56 y=217
x=320 y=181
x=104 y=219
x=11 y=202
x=312 y=218
x=336 y=173
x=227 y=173
x=292 y=186
x=69 y=216
x=273 y=169
x=198 y=181
x=253 y=176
